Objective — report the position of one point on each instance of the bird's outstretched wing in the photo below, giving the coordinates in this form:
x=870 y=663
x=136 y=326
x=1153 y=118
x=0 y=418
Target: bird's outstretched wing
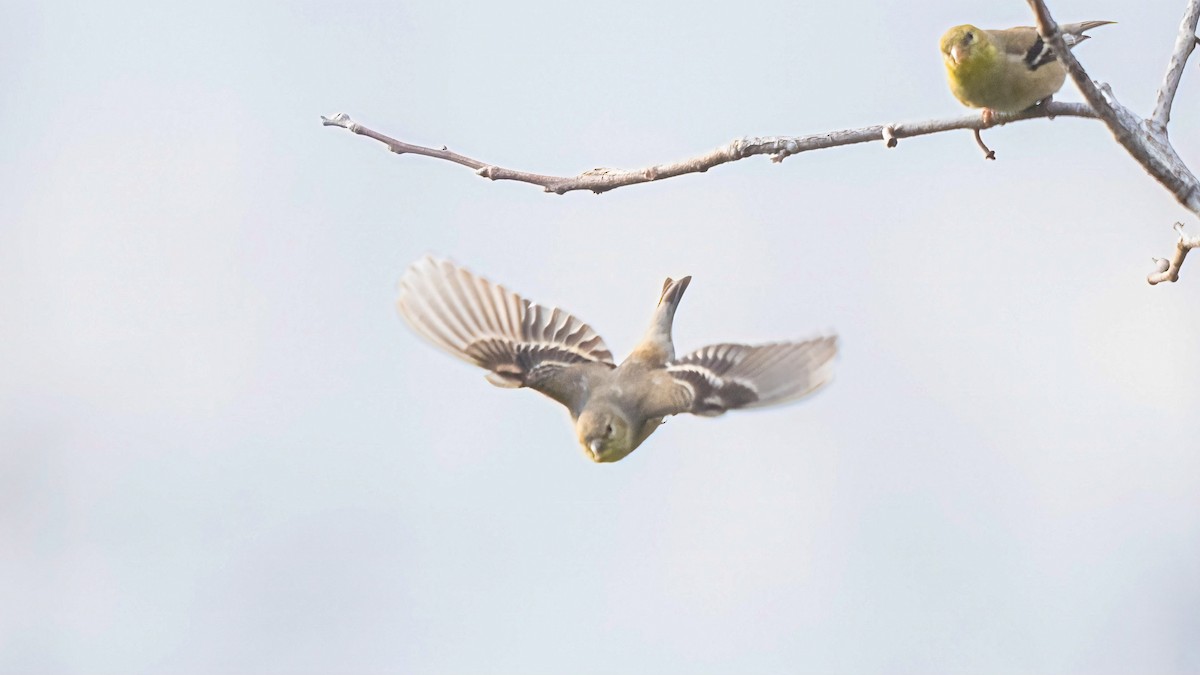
x=722 y=377
x=522 y=344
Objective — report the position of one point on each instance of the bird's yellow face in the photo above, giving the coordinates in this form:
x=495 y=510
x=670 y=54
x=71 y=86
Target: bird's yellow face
x=960 y=44
x=605 y=436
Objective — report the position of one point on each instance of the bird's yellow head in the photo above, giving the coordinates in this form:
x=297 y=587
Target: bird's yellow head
x=963 y=45
x=605 y=435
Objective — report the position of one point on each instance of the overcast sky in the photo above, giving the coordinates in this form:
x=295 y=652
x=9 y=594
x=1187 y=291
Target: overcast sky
x=221 y=451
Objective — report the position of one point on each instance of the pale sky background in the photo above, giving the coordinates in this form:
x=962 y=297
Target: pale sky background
x=221 y=451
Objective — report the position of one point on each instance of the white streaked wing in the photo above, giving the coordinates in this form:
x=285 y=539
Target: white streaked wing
x=521 y=343
x=726 y=376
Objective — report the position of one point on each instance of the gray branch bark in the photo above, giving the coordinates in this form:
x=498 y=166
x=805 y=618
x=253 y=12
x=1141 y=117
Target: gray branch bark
x=1184 y=44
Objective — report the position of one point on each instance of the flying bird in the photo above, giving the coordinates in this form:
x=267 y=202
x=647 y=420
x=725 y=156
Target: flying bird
x=614 y=407
x=1006 y=70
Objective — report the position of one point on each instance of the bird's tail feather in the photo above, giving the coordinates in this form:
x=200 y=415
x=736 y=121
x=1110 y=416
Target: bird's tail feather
x=656 y=347
x=1073 y=33
x=672 y=292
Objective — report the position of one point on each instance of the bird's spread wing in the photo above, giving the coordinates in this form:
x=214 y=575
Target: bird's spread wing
x=722 y=377
x=523 y=344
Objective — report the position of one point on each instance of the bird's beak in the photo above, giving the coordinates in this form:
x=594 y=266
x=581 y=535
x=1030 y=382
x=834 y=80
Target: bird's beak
x=594 y=446
x=957 y=52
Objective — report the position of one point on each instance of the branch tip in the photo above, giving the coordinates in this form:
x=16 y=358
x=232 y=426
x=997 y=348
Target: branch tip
x=339 y=120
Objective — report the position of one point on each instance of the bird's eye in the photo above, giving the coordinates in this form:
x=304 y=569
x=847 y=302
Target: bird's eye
x=969 y=36
x=608 y=430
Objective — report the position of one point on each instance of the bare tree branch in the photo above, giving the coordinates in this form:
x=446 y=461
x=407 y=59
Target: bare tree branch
x=1168 y=270
x=1144 y=140
x=777 y=147
x=1154 y=154
x=1184 y=44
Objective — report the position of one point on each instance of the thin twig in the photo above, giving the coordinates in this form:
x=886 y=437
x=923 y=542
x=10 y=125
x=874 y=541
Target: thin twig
x=777 y=147
x=1184 y=44
x=1168 y=270
x=988 y=153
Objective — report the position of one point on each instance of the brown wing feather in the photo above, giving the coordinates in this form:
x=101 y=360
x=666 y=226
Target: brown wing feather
x=727 y=376
x=522 y=344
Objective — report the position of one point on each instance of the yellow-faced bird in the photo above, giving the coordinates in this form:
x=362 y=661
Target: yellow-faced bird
x=614 y=407
x=1006 y=70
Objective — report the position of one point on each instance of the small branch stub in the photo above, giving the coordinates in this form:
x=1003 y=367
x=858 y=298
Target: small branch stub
x=988 y=153
x=1168 y=270
x=889 y=136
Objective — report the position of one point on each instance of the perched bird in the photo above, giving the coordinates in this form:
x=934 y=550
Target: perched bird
x=1006 y=70
x=614 y=407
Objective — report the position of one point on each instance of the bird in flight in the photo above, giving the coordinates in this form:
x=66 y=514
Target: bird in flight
x=614 y=407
